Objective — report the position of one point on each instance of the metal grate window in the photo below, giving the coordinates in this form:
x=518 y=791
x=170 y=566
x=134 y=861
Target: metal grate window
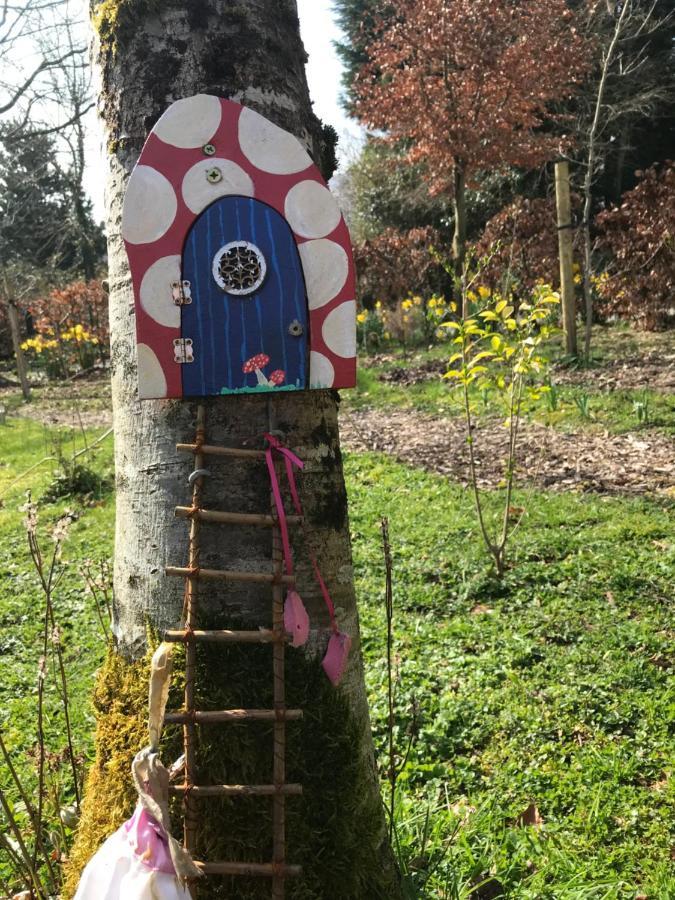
x=239 y=268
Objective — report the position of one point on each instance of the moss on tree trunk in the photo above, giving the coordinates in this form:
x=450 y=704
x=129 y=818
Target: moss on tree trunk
x=333 y=829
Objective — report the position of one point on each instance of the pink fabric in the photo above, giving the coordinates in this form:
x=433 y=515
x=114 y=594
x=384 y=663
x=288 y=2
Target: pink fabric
x=335 y=660
x=340 y=643
x=296 y=620
x=148 y=842
x=290 y=460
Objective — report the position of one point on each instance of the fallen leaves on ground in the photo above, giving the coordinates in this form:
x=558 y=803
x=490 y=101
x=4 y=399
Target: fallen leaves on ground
x=556 y=460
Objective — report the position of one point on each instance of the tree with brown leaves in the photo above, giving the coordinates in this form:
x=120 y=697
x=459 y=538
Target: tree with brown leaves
x=467 y=85
x=640 y=235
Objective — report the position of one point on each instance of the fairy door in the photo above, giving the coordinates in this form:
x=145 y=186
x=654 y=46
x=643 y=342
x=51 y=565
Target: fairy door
x=244 y=313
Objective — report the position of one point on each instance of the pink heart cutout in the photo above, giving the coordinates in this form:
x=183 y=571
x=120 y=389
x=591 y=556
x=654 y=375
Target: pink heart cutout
x=296 y=620
x=335 y=660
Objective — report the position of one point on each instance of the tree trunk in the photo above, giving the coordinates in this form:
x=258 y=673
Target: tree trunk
x=459 y=236
x=150 y=55
x=589 y=178
x=21 y=368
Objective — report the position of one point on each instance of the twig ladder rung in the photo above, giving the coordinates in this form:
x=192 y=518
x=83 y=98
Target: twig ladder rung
x=181 y=717
x=239 y=790
x=263 y=636
x=189 y=717
x=229 y=518
x=211 y=450
x=271 y=870
x=227 y=575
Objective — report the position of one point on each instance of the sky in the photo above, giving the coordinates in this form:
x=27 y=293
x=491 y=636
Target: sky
x=324 y=74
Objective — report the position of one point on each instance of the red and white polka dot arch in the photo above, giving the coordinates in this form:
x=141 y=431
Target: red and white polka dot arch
x=169 y=188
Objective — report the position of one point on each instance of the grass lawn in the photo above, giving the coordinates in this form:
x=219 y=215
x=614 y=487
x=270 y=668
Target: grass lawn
x=553 y=689
x=543 y=739
x=579 y=398
x=23 y=443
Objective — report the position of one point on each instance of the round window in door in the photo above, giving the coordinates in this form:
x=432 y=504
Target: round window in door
x=248 y=319
x=239 y=268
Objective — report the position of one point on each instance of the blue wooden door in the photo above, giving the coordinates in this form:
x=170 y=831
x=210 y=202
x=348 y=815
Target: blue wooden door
x=248 y=319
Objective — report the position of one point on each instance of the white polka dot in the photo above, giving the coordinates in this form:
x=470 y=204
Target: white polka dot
x=156 y=294
x=269 y=147
x=151 y=380
x=311 y=210
x=321 y=371
x=199 y=192
x=149 y=206
x=326 y=267
x=190 y=122
x=339 y=330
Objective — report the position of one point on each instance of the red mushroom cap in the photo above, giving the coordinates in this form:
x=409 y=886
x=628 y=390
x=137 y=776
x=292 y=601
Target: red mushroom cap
x=255 y=362
x=277 y=377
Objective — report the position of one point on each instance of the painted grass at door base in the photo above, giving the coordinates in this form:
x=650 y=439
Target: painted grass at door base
x=261 y=389
x=334 y=830
x=554 y=688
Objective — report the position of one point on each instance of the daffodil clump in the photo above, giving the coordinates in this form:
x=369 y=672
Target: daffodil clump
x=414 y=320
x=58 y=352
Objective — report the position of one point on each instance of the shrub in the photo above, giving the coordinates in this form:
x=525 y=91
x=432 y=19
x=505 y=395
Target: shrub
x=410 y=322
x=77 y=481
x=394 y=263
x=521 y=240
x=83 y=304
x=640 y=236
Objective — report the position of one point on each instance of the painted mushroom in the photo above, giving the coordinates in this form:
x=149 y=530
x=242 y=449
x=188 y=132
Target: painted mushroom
x=277 y=377
x=255 y=364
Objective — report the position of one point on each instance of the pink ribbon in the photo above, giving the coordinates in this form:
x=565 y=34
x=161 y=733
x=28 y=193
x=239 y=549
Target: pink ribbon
x=291 y=461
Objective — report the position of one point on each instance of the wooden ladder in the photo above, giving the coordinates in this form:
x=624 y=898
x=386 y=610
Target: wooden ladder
x=189 y=717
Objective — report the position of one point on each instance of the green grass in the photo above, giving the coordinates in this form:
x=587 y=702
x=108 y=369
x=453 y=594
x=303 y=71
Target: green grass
x=22 y=444
x=554 y=687
x=611 y=410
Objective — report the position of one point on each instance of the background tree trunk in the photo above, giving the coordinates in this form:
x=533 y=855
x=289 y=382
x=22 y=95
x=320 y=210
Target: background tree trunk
x=151 y=54
x=459 y=236
x=21 y=367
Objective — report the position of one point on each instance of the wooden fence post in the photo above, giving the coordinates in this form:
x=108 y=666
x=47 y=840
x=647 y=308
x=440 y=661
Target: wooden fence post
x=565 y=236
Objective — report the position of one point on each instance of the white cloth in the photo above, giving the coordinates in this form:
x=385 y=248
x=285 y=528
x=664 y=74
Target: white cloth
x=116 y=872
x=142 y=860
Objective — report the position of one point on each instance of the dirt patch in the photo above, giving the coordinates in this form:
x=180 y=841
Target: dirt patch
x=654 y=371
x=555 y=460
x=67 y=414
x=431 y=370
x=82 y=402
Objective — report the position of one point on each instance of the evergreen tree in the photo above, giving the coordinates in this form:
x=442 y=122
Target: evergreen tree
x=45 y=219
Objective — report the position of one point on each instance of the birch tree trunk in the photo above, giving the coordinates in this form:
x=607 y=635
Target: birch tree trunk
x=151 y=54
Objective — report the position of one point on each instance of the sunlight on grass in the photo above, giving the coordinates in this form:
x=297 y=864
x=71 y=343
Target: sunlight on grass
x=551 y=688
